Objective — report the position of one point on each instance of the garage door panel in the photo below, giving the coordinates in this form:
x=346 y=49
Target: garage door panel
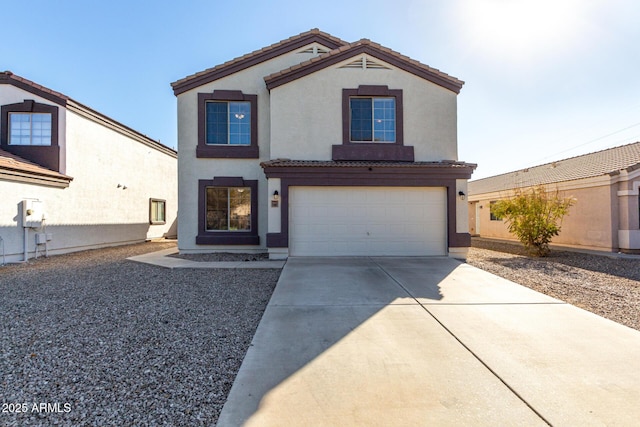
x=363 y=221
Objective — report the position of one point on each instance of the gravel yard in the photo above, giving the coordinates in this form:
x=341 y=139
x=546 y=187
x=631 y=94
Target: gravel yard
x=605 y=285
x=106 y=341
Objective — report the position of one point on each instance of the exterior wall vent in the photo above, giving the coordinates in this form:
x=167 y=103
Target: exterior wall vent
x=366 y=64
x=315 y=49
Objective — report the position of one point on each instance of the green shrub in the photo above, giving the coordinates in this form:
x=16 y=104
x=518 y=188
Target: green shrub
x=534 y=216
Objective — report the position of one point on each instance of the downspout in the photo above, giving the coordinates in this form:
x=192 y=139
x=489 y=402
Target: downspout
x=2 y=243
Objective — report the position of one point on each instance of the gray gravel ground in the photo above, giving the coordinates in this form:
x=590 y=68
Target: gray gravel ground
x=123 y=343
x=604 y=285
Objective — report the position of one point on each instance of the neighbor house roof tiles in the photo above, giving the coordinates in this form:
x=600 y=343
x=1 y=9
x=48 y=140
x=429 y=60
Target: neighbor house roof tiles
x=7 y=77
x=605 y=162
x=12 y=166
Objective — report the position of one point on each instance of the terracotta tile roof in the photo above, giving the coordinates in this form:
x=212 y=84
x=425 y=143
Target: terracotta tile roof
x=255 y=57
x=367 y=46
x=7 y=77
x=283 y=163
x=11 y=162
x=605 y=162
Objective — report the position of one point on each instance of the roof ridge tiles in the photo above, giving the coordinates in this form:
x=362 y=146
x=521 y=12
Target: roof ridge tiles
x=453 y=82
x=178 y=85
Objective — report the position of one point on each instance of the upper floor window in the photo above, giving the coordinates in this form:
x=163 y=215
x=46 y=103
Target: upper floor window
x=29 y=129
x=372 y=126
x=372 y=119
x=228 y=122
x=227 y=125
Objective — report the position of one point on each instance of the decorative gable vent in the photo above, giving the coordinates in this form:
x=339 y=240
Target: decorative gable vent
x=315 y=49
x=366 y=64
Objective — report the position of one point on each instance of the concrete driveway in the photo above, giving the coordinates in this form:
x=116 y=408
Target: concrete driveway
x=429 y=341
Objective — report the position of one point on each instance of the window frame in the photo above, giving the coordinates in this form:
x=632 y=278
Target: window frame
x=44 y=155
x=228 y=214
x=227 y=237
x=375 y=151
x=152 y=219
x=372 y=100
x=492 y=217
x=31 y=116
x=244 y=151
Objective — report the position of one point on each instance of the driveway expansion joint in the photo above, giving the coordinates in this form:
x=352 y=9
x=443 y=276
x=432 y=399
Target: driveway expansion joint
x=467 y=348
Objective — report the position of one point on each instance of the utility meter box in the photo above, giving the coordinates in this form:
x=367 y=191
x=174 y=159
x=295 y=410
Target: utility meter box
x=32 y=213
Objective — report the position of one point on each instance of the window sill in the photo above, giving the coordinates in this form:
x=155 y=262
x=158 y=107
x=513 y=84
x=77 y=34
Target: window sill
x=373 y=152
x=227 y=239
x=227 y=152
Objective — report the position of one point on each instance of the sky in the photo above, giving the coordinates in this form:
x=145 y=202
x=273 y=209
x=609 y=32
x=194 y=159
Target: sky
x=544 y=79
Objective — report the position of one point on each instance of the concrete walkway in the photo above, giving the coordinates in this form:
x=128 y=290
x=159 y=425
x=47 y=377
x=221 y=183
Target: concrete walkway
x=415 y=341
x=163 y=259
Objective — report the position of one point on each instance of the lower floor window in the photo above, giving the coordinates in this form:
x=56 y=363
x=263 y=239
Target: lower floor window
x=492 y=216
x=157 y=211
x=228 y=209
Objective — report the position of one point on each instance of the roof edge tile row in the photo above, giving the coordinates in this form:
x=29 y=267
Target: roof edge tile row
x=340 y=50
x=7 y=77
x=610 y=161
x=256 y=57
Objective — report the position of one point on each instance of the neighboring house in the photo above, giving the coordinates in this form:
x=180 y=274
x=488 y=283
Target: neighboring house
x=73 y=179
x=605 y=185
x=315 y=146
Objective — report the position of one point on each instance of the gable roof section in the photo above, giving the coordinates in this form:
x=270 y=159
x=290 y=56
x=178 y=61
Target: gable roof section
x=370 y=48
x=14 y=168
x=7 y=77
x=605 y=162
x=256 y=57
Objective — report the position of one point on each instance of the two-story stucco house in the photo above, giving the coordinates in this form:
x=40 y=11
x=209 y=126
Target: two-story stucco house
x=72 y=178
x=314 y=146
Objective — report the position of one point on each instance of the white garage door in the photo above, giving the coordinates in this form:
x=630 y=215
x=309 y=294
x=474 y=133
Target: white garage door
x=367 y=221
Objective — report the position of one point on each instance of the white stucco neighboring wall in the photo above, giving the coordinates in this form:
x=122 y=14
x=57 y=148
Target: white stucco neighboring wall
x=303 y=129
x=92 y=211
x=12 y=95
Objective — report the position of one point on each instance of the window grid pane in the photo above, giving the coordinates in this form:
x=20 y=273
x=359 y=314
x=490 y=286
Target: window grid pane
x=239 y=209
x=361 y=129
x=228 y=123
x=384 y=119
x=217 y=209
x=239 y=123
x=157 y=211
x=216 y=123
x=373 y=119
x=30 y=128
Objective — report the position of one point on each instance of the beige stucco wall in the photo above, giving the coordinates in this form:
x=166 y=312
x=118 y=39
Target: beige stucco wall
x=290 y=126
x=594 y=221
x=93 y=212
x=306 y=130
x=192 y=169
